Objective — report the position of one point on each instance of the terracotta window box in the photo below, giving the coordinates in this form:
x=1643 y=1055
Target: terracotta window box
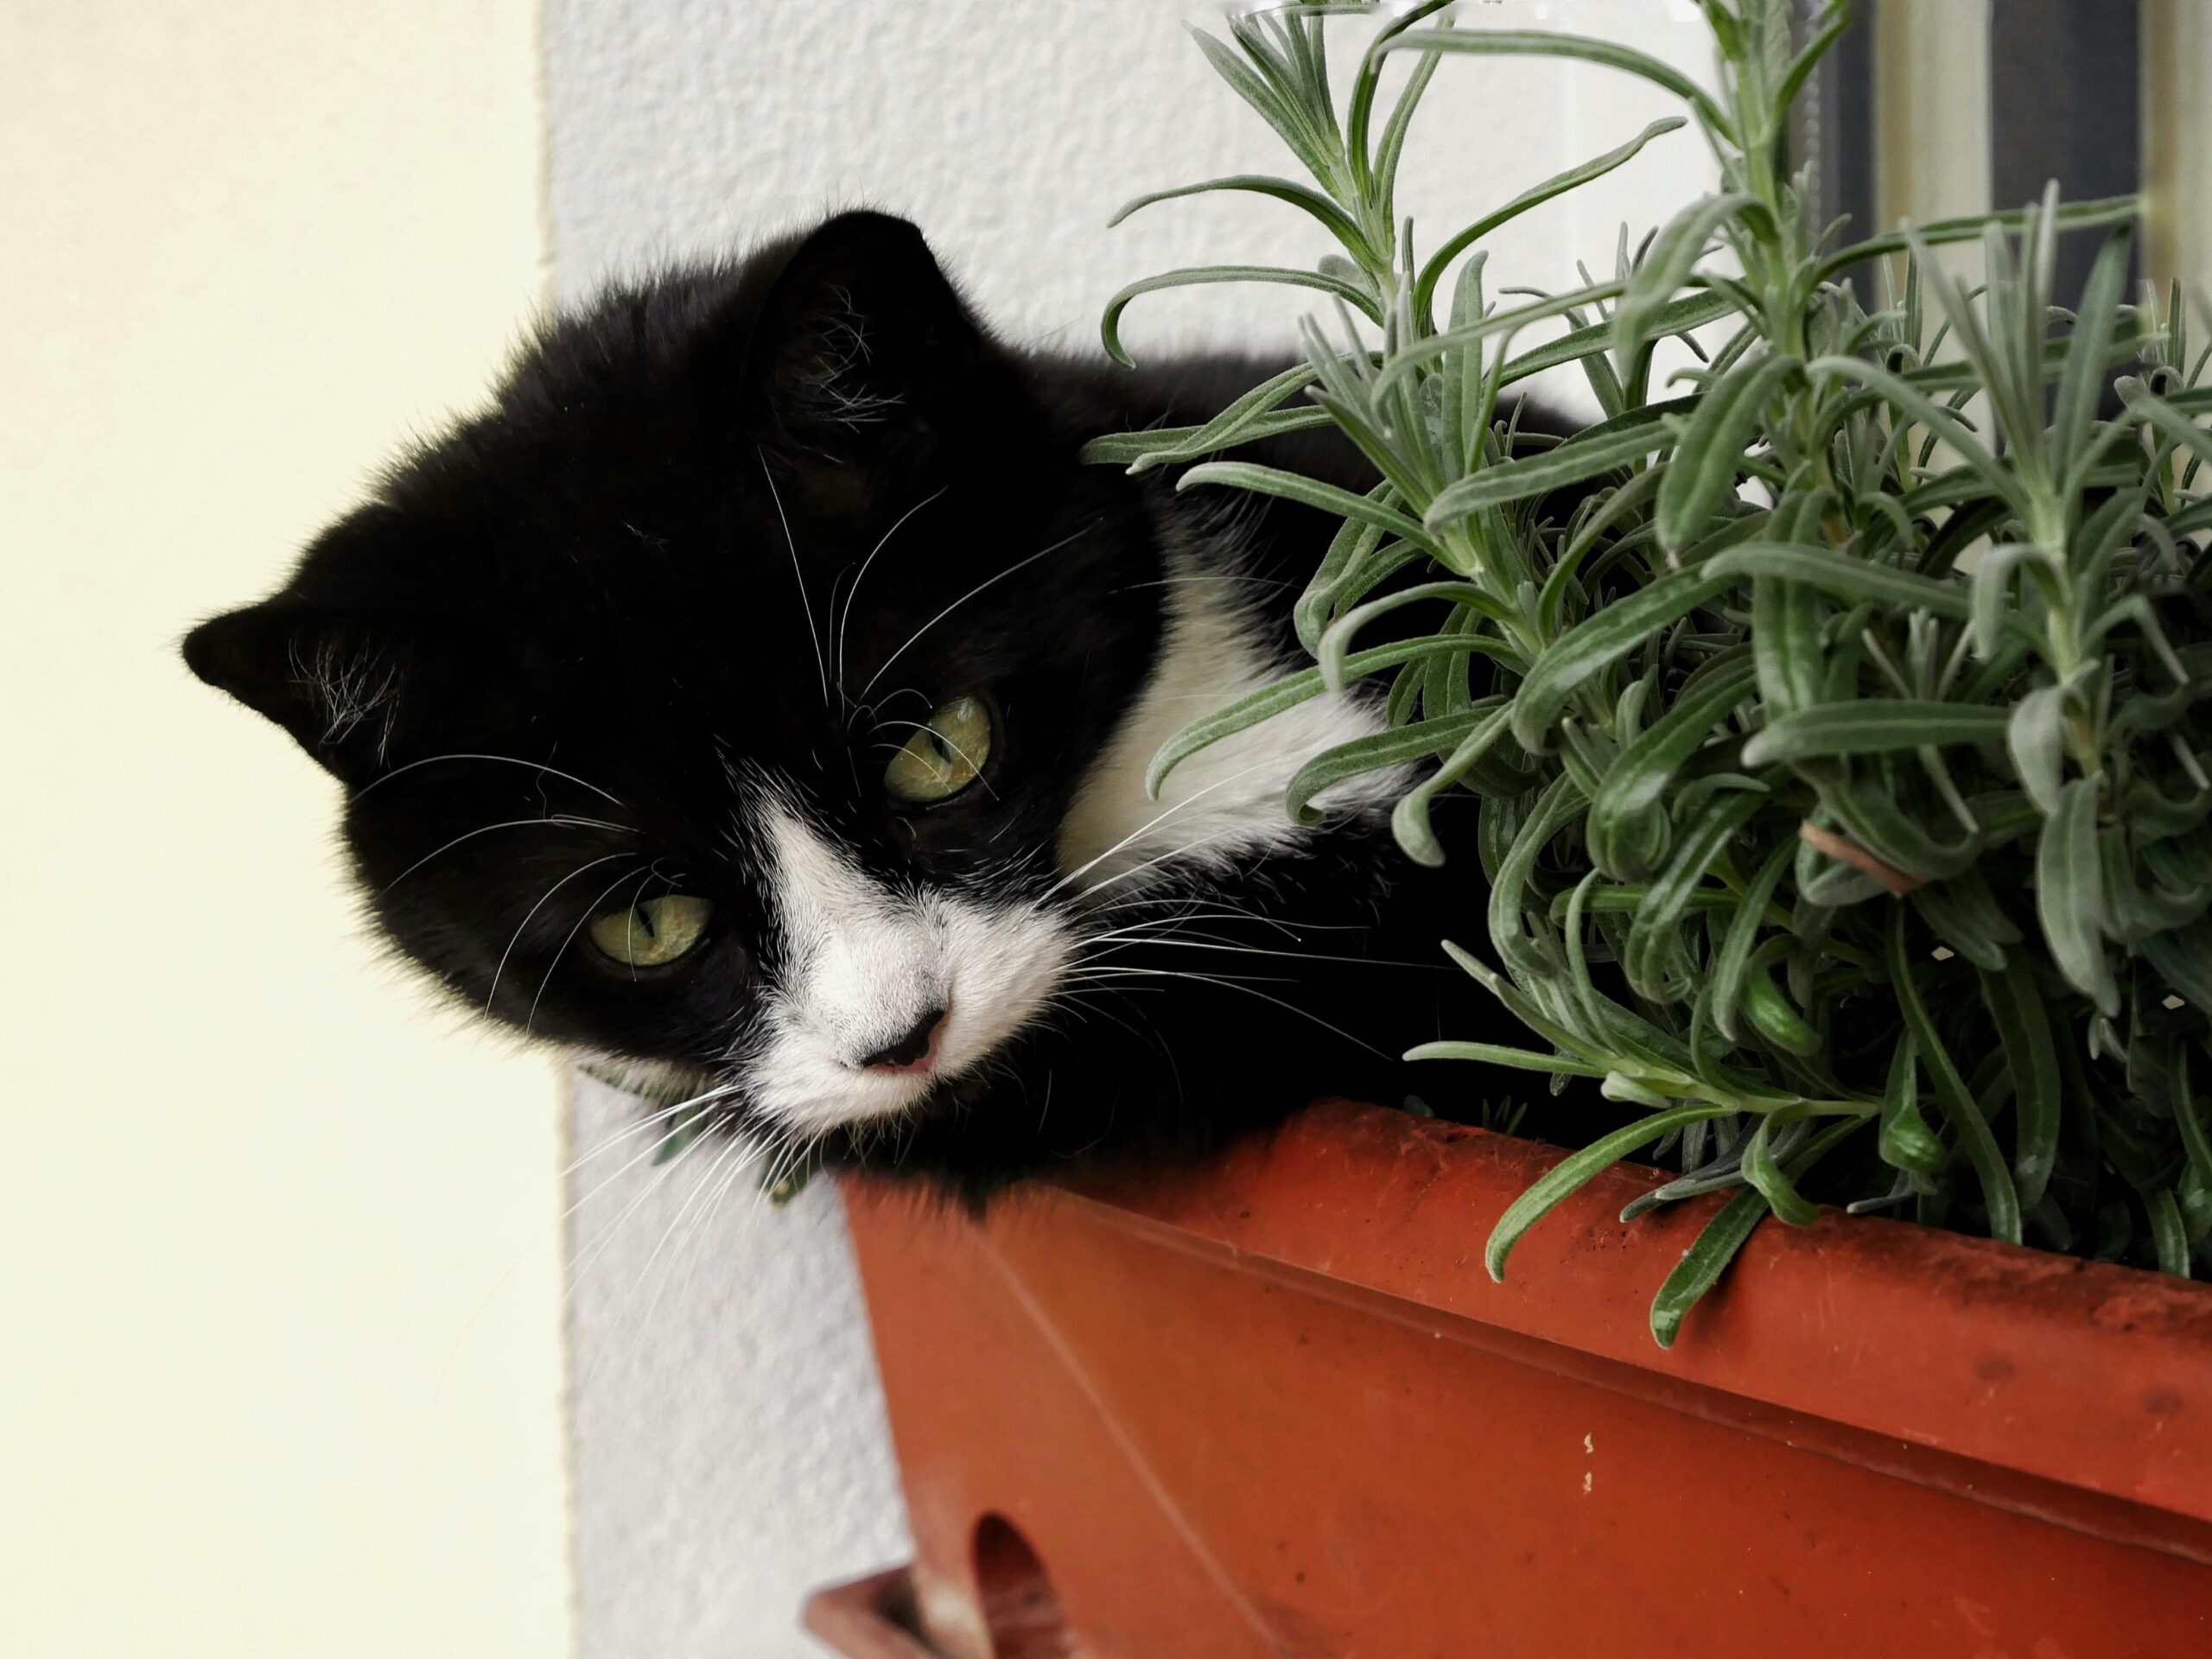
x=1276 y=1407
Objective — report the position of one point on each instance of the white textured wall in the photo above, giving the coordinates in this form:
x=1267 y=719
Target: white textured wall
x=729 y=1440
x=280 y=1369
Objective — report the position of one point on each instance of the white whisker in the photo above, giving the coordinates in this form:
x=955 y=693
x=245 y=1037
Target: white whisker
x=988 y=581
x=559 y=820
x=503 y=760
x=723 y=1092
x=516 y=937
x=598 y=1246
x=645 y=875
x=1239 y=984
x=837 y=655
x=607 y=1143
x=798 y=574
x=1214 y=942
x=1157 y=819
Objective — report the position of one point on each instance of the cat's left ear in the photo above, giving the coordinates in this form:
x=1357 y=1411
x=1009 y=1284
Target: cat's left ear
x=343 y=684
x=862 y=352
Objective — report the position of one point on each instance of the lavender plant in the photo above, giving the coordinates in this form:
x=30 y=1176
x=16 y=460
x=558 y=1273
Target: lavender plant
x=1839 y=733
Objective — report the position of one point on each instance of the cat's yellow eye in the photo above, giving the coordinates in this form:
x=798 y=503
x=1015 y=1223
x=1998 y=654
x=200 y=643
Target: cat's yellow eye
x=654 y=932
x=943 y=757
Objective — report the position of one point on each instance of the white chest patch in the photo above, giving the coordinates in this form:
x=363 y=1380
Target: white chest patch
x=1227 y=799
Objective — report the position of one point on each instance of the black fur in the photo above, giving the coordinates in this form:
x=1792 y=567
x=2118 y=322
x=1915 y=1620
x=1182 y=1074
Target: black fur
x=596 y=587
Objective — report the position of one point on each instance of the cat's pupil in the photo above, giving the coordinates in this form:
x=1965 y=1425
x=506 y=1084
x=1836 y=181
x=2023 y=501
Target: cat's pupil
x=658 y=931
x=943 y=757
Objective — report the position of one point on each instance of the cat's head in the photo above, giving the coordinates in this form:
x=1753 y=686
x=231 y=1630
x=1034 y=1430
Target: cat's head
x=723 y=697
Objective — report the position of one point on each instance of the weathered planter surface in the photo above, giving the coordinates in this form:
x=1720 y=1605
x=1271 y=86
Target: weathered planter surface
x=1275 y=1406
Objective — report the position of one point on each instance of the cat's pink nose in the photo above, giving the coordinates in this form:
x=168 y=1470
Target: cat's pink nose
x=913 y=1052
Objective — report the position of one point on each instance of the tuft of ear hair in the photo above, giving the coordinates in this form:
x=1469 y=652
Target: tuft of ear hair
x=337 y=682
x=861 y=351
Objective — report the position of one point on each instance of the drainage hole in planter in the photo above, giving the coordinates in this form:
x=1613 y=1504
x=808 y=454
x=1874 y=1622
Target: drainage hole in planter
x=1020 y=1607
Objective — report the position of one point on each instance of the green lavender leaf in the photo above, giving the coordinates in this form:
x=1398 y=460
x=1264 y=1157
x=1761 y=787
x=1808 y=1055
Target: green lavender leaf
x=1600 y=640
x=1571 y=1174
x=2069 y=895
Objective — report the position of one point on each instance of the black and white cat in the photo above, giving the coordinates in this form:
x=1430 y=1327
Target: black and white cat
x=759 y=693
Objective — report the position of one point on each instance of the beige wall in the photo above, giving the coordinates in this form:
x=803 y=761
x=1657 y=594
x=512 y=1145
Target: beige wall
x=279 y=1366
x=2177 y=146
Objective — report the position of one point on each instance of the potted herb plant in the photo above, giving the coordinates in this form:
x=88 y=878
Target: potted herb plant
x=1836 y=712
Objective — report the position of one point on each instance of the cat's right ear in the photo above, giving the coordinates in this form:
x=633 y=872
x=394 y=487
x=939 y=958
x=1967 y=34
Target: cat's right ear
x=347 y=686
x=862 y=358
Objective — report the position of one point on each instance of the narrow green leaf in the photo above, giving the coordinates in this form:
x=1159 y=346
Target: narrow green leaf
x=1653 y=936
x=1286 y=693
x=1623 y=900
x=1965 y=915
x=1675 y=253
x=1430 y=739
x=1702 y=473
x=1905 y=1141
x=1848 y=578
x=1873 y=726
x=1304 y=197
x=1166 y=446
x=1938 y=420
x=2031 y=1056
x=1412 y=355
x=1602 y=638
x=1431 y=271
x=1294 y=487
x=1535 y=43
x=1382 y=170
x=2188 y=1117
x=1616 y=511
x=1584 y=456
x=1732 y=961
x=1775 y=1018
x=1563 y=1179
x=1522 y=1005
x=1528 y=1060
x=1109 y=326
x=1351 y=552
x=2069 y=895
x=2167 y=1233
x=1678 y=317
x=1409 y=819
x=1707 y=1259
x=1263 y=92
x=1335 y=644
x=1993 y=578
x=2184 y=959
x=1555 y=809
x=1830 y=28
x=2083 y=383
x=2094 y=214
x=1637 y=782
x=1766 y=1177
x=2167 y=419
x=1786 y=643
x=2035 y=738
x=1998 y=1195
